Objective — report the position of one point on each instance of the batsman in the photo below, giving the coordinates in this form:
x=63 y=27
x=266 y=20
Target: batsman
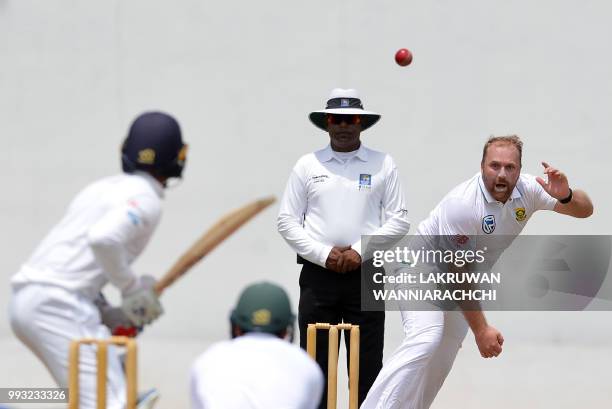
x=57 y=292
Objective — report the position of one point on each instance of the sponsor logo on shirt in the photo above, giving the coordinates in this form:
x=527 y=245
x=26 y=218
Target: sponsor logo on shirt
x=319 y=178
x=460 y=239
x=488 y=224
x=365 y=181
x=520 y=214
x=134 y=218
x=132 y=213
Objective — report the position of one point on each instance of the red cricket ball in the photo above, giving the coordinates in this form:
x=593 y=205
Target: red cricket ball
x=403 y=57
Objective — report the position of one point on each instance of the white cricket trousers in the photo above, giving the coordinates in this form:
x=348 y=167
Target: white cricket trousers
x=46 y=319
x=413 y=375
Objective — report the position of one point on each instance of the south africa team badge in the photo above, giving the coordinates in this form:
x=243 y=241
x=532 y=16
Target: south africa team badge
x=365 y=181
x=488 y=224
x=520 y=214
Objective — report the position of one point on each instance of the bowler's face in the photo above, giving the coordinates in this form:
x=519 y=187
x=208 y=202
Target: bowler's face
x=501 y=169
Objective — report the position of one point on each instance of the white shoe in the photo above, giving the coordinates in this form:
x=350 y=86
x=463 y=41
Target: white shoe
x=148 y=399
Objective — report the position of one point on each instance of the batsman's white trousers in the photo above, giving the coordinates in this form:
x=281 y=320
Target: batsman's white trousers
x=46 y=319
x=413 y=375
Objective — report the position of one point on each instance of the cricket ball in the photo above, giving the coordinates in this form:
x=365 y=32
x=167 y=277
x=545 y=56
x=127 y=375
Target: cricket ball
x=403 y=57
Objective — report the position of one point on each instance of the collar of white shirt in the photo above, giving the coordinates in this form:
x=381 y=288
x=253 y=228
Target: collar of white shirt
x=515 y=192
x=154 y=183
x=260 y=335
x=328 y=154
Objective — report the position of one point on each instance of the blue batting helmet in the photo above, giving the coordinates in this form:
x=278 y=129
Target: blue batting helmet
x=154 y=144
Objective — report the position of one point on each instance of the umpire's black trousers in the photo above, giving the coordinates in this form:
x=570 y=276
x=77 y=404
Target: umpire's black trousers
x=327 y=296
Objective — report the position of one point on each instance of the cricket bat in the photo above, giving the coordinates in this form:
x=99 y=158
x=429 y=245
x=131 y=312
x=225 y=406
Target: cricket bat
x=221 y=230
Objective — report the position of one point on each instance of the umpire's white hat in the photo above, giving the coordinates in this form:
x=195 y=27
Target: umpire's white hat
x=344 y=102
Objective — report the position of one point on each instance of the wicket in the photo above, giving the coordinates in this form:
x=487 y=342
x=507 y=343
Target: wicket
x=332 y=366
x=102 y=348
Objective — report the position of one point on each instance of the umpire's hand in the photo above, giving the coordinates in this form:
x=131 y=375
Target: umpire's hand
x=332 y=259
x=349 y=260
x=343 y=259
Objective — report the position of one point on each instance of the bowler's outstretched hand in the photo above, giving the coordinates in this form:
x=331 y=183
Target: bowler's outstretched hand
x=557 y=185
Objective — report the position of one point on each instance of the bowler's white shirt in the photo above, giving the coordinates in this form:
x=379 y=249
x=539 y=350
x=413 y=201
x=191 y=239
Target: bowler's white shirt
x=470 y=210
x=332 y=201
x=105 y=228
x=255 y=371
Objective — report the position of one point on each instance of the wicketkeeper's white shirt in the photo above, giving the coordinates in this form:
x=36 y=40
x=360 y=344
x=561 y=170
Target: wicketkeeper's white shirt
x=105 y=228
x=334 y=198
x=255 y=371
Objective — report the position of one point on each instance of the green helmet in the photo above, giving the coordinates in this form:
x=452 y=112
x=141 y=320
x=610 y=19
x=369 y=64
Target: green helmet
x=263 y=307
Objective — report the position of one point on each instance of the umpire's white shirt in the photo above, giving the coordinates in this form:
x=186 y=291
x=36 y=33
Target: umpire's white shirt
x=255 y=371
x=333 y=198
x=106 y=227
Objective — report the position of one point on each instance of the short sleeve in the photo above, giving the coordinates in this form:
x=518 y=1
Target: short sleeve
x=457 y=217
x=457 y=224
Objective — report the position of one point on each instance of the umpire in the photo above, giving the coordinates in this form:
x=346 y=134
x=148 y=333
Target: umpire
x=333 y=197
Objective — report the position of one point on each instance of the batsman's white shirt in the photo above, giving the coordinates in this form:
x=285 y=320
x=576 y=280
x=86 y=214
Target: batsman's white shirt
x=106 y=227
x=415 y=372
x=255 y=371
x=333 y=198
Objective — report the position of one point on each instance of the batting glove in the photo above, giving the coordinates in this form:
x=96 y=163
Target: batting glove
x=140 y=303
